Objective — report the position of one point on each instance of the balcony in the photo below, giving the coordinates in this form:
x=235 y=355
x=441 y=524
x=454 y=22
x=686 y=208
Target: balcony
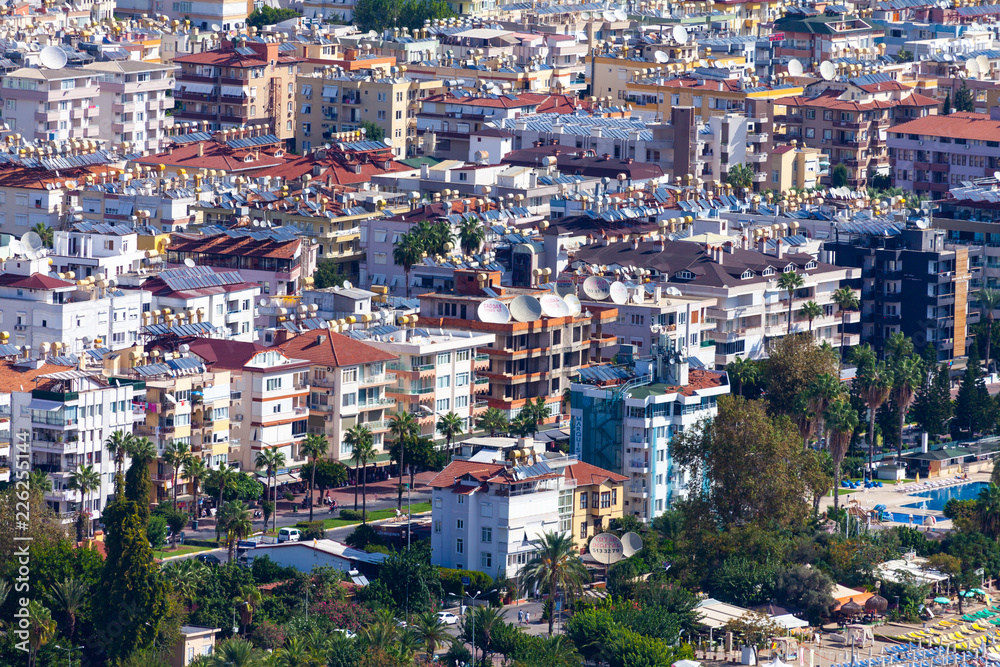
x=638 y=491
x=384 y=378
x=757 y=157
x=375 y=426
x=480 y=406
x=376 y=403
x=415 y=391
x=757 y=137
x=638 y=465
x=482 y=361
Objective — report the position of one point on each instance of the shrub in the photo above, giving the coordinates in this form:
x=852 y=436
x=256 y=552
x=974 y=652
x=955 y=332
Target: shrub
x=363 y=537
x=351 y=515
x=451 y=581
x=313 y=530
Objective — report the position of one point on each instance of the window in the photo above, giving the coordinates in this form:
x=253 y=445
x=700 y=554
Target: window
x=605 y=499
x=487 y=534
x=462 y=355
x=273 y=383
x=460 y=546
x=443 y=381
x=614 y=495
x=461 y=402
x=444 y=358
x=486 y=510
x=486 y=559
x=443 y=404
x=350 y=399
x=460 y=524
x=437 y=526
x=583 y=529
x=350 y=375
x=583 y=500
x=461 y=379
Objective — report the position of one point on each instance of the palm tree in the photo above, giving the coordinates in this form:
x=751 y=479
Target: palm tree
x=847 y=300
x=449 y=426
x=381 y=634
x=271 y=460
x=363 y=453
x=989 y=511
x=790 y=281
x=176 y=455
x=742 y=371
x=44 y=232
x=142 y=450
x=185 y=576
x=554 y=566
x=236 y=653
x=313 y=447
x=196 y=470
x=810 y=310
x=85 y=479
x=822 y=391
x=41 y=629
x=362 y=443
x=989 y=300
x=493 y=420
x=248 y=600
x=907 y=375
x=39 y=482
x=234 y=519
x=899 y=345
x=841 y=420
x=117 y=445
x=441 y=238
x=404 y=429
x=297 y=653
x=221 y=477
x=875 y=385
x=406 y=253
x=485 y=620
x=69 y=596
x=431 y=632
x=471 y=235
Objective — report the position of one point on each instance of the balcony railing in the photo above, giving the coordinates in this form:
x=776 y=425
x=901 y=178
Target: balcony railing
x=376 y=403
x=377 y=379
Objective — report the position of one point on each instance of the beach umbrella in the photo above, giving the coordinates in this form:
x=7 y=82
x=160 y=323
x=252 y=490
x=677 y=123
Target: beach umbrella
x=876 y=604
x=942 y=600
x=851 y=608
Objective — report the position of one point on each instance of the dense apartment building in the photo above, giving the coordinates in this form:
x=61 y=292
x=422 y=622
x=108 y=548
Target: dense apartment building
x=931 y=155
x=225 y=14
x=598 y=499
x=134 y=97
x=714 y=92
x=849 y=120
x=252 y=84
x=91 y=248
x=913 y=282
x=831 y=34
x=51 y=104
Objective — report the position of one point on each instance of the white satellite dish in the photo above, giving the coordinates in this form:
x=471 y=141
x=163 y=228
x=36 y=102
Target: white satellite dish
x=827 y=70
x=618 y=292
x=493 y=311
x=673 y=291
x=972 y=67
x=996 y=176
x=347 y=284
x=609 y=16
x=216 y=27
x=596 y=288
x=923 y=223
x=31 y=241
x=795 y=67
x=639 y=296
x=565 y=286
x=680 y=34
x=525 y=308
x=984 y=63
x=585 y=16
x=263 y=302
x=660 y=57
x=189 y=262
x=52 y=57
x=606 y=548
x=16 y=248
x=621 y=15
x=631 y=544
x=574 y=305
x=553 y=306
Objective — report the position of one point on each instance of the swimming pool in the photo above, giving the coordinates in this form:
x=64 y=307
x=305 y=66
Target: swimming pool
x=937 y=498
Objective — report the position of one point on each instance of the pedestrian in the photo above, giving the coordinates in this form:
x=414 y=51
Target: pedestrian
x=527 y=617
x=520 y=616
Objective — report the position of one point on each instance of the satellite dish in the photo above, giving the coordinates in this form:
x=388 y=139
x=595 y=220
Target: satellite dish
x=660 y=56
x=606 y=548
x=565 y=286
x=631 y=543
x=621 y=15
x=16 y=248
x=827 y=70
x=618 y=292
x=639 y=296
x=609 y=17
x=996 y=175
x=493 y=311
x=553 y=306
x=923 y=223
x=680 y=34
x=795 y=67
x=347 y=284
x=585 y=16
x=574 y=305
x=263 y=302
x=32 y=242
x=525 y=308
x=189 y=262
x=673 y=291
x=984 y=63
x=216 y=27
x=52 y=57
x=596 y=288
x=972 y=67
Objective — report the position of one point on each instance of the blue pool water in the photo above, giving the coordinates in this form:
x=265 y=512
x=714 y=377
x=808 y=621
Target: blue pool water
x=937 y=498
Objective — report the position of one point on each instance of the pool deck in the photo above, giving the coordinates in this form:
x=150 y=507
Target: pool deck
x=894 y=500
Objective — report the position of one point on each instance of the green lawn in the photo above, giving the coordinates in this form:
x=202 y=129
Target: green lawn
x=181 y=550
x=376 y=515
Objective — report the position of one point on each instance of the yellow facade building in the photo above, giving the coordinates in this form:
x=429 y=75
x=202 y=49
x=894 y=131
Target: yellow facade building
x=598 y=497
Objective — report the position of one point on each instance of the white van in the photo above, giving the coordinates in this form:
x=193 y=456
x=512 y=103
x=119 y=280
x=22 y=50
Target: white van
x=289 y=535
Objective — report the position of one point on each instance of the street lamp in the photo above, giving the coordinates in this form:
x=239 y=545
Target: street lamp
x=69 y=652
x=473 y=610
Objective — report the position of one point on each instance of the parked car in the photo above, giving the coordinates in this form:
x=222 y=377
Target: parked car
x=346 y=633
x=289 y=535
x=447 y=617
x=209 y=559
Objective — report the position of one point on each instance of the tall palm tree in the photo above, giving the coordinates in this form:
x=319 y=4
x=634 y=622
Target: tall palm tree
x=39 y=482
x=362 y=444
x=313 y=447
x=494 y=421
x=271 y=460
x=234 y=520
x=471 y=235
x=196 y=470
x=85 y=480
x=875 y=382
x=117 y=445
x=69 y=596
x=297 y=653
x=989 y=300
x=485 y=620
x=742 y=371
x=555 y=566
x=142 y=450
x=221 y=477
x=41 y=629
x=441 y=238
x=176 y=455
x=907 y=375
x=846 y=300
x=822 y=391
x=404 y=430
x=236 y=653
x=449 y=426
x=899 y=345
x=247 y=602
x=841 y=420
x=431 y=632
x=989 y=511
x=811 y=310
x=790 y=281
x=406 y=254
x=44 y=232
x=185 y=576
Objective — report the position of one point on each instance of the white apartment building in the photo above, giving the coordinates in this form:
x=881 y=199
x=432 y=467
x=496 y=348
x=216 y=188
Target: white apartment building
x=269 y=398
x=132 y=95
x=90 y=249
x=47 y=312
x=29 y=199
x=348 y=385
x=51 y=104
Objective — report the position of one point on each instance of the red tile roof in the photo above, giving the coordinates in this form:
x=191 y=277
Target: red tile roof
x=34 y=281
x=831 y=100
x=242 y=246
x=333 y=349
x=959 y=125
x=461 y=469
x=586 y=474
x=225 y=354
x=543 y=103
x=215 y=155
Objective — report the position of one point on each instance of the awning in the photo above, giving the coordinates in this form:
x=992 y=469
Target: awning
x=234 y=91
x=330 y=91
x=789 y=621
x=47 y=406
x=199 y=88
x=281 y=478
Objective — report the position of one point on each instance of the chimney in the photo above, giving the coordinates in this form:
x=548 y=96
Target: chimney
x=779 y=250
x=201 y=149
x=425 y=171
x=762 y=245
x=635 y=244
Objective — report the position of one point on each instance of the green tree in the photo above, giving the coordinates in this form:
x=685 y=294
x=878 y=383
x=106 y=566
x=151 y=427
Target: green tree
x=408 y=251
x=989 y=511
x=754 y=629
x=236 y=653
x=963 y=99
x=117 y=445
x=196 y=471
x=85 y=480
x=974 y=408
x=421 y=454
x=271 y=460
x=70 y=596
x=362 y=444
x=874 y=383
x=631 y=649
x=933 y=406
x=740 y=176
x=404 y=430
x=235 y=523
x=41 y=629
x=449 y=426
x=742 y=372
x=329 y=474
x=138 y=485
x=329 y=273
x=904 y=56
x=907 y=375
x=743 y=581
x=554 y=566
x=314 y=447
x=808 y=588
x=841 y=419
x=471 y=234
x=494 y=421
x=811 y=310
x=373 y=131
x=793 y=363
x=412 y=582
x=989 y=301
x=946 y=107
x=177 y=455
x=266 y=16
x=839 y=175
x=847 y=301
x=790 y=281
x=156 y=531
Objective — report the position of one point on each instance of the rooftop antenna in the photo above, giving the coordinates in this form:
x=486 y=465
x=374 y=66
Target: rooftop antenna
x=52 y=57
x=827 y=70
x=680 y=34
x=795 y=67
x=189 y=263
x=660 y=57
